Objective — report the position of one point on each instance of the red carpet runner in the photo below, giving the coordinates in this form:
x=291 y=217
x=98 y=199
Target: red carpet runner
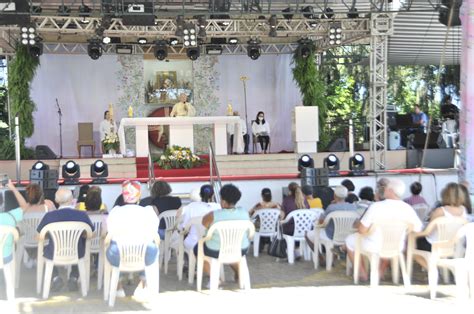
x=142 y=169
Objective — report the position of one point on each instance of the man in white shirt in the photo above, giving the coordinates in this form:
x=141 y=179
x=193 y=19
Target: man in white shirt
x=391 y=208
x=231 y=129
x=107 y=127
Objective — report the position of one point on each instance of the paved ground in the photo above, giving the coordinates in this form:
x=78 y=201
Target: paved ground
x=277 y=287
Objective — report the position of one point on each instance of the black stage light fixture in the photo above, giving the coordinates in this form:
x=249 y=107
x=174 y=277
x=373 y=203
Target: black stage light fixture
x=328 y=13
x=71 y=172
x=331 y=162
x=335 y=34
x=287 y=16
x=353 y=14
x=36 y=50
x=308 y=12
x=202 y=23
x=305 y=161
x=84 y=10
x=214 y=49
x=161 y=50
x=39 y=165
x=193 y=53
x=357 y=165
x=272 y=21
x=94 y=48
x=253 y=49
x=99 y=172
x=305 y=48
x=179 y=26
x=189 y=37
x=64 y=10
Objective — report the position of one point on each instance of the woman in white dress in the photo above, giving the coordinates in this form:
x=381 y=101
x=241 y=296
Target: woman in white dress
x=107 y=126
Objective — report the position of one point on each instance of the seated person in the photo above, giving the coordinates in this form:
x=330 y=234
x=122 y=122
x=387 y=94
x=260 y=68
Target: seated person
x=351 y=196
x=231 y=131
x=366 y=198
x=34 y=201
x=9 y=218
x=261 y=131
x=293 y=201
x=419 y=119
x=415 y=197
x=449 y=111
x=314 y=202
x=65 y=212
x=266 y=202
x=230 y=195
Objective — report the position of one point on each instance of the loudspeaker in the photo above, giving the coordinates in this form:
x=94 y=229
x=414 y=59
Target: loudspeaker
x=420 y=138
x=44 y=152
x=44 y=174
x=315 y=181
x=314 y=177
x=435 y=158
x=338 y=145
x=46 y=184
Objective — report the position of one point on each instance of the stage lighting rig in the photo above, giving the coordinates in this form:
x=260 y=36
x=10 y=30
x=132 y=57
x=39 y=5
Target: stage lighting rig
x=305 y=161
x=357 y=165
x=335 y=34
x=193 y=53
x=272 y=21
x=94 y=48
x=99 y=172
x=253 y=49
x=161 y=50
x=180 y=23
x=331 y=162
x=305 y=48
x=202 y=23
x=71 y=172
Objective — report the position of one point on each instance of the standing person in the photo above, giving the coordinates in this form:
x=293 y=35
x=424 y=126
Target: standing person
x=107 y=127
x=65 y=212
x=132 y=223
x=261 y=130
x=231 y=131
x=420 y=119
x=183 y=108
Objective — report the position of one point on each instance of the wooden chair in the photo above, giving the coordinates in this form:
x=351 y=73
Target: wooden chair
x=86 y=139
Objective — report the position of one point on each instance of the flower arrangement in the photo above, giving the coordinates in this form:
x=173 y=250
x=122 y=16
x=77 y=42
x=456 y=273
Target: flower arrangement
x=176 y=157
x=111 y=141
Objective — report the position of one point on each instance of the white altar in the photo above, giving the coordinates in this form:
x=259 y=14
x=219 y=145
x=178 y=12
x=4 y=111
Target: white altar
x=181 y=131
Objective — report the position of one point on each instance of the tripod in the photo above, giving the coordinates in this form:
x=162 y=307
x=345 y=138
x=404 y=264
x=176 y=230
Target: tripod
x=60 y=115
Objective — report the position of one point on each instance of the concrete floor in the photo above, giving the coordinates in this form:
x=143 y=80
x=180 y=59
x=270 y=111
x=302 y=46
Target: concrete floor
x=277 y=287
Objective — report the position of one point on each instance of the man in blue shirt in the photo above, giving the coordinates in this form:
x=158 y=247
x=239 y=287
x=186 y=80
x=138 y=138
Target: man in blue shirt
x=65 y=212
x=420 y=119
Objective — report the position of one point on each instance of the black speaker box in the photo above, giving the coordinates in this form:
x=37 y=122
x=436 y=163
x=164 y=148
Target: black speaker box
x=420 y=138
x=46 y=184
x=44 y=152
x=44 y=174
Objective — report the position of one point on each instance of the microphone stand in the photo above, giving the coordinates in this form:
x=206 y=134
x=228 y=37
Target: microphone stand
x=244 y=80
x=60 y=114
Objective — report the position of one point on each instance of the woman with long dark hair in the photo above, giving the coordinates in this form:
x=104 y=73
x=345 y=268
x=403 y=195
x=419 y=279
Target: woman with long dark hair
x=261 y=131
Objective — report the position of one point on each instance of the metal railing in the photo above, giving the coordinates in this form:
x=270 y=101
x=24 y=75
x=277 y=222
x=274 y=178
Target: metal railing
x=151 y=172
x=214 y=176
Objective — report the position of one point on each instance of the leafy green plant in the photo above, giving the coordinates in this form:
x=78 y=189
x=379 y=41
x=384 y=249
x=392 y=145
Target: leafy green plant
x=20 y=74
x=312 y=88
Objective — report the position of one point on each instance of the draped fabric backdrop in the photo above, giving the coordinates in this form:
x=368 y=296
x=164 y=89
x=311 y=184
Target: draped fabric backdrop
x=85 y=88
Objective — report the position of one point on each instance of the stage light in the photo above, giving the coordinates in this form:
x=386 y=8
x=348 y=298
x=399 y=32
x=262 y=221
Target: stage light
x=214 y=50
x=253 y=49
x=335 y=34
x=106 y=40
x=161 y=50
x=305 y=48
x=331 y=162
x=308 y=12
x=94 y=49
x=179 y=26
x=99 y=171
x=193 y=53
x=272 y=21
x=28 y=35
x=84 y=10
x=357 y=165
x=233 y=41
x=305 y=161
x=64 y=10
x=142 y=41
x=328 y=13
x=173 y=41
x=202 y=23
x=36 y=50
x=39 y=165
x=71 y=172
x=287 y=16
x=353 y=14
x=189 y=37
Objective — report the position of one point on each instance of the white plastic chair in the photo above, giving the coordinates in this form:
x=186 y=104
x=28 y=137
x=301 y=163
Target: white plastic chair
x=65 y=236
x=422 y=210
x=268 y=226
x=132 y=259
x=303 y=222
x=318 y=211
x=9 y=268
x=343 y=226
x=97 y=248
x=461 y=266
x=29 y=237
x=393 y=234
x=446 y=229
x=197 y=223
x=169 y=217
x=231 y=234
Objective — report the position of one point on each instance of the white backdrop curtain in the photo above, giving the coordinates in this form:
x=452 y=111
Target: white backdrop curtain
x=85 y=87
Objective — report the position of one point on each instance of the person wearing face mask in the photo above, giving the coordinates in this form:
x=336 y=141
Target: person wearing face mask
x=261 y=131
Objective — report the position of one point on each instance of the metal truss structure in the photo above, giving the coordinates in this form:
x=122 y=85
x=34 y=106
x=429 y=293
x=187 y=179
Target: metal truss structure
x=381 y=28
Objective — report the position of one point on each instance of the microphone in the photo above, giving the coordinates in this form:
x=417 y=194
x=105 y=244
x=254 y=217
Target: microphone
x=59 y=108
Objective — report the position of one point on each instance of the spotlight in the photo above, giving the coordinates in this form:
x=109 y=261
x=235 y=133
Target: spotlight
x=193 y=53
x=161 y=50
x=179 y=25
x=253 y=49
x=142 y=41
x=287 y=16
x=36 y=50
x=305 y=48
x=173 y=41
x=328 y=13
x=189 y=37
x=305 y=161
x=272 y=21
x=106 y=40
x=335 y=34
x=71 y=172
x=233 y=41
x=308 y=12
x=64 y=10
x=353 y=14
x=357 y=165
x=39 y=165
x=94 y=49
x=84 y=10
x=28 y=35
x=99 y=171
x=331 y=162
x=202 y=23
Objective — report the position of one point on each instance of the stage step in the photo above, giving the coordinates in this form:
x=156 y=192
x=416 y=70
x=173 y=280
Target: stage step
x=257 y=164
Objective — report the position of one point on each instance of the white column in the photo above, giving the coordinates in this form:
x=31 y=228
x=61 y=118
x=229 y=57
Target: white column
x=220 y=138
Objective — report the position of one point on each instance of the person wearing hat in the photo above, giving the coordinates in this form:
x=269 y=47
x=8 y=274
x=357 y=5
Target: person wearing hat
x=132 y=223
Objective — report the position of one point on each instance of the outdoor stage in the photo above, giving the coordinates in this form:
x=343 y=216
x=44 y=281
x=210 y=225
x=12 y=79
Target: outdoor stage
x=249 y=172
